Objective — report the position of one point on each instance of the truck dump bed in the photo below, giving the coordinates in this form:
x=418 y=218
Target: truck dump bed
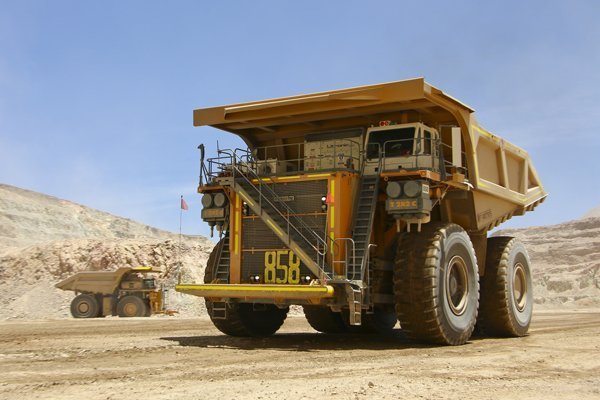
x=502 y=175
x=103 y=282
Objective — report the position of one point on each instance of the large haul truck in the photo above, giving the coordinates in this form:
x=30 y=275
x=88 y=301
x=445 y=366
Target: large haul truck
x=366 y=206
x=126 y=292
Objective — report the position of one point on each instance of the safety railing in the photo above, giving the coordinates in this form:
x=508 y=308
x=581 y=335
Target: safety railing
x=285 y=159
x=305 y=157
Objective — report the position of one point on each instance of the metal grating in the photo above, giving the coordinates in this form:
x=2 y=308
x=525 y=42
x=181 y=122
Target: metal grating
x=302 y=197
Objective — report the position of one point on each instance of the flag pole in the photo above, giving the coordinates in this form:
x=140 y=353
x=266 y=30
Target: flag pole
x=179 y=250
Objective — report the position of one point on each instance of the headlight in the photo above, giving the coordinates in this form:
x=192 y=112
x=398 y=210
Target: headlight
x=220 y=199
x=207 y=200
x=412 y=188
x=393 y=189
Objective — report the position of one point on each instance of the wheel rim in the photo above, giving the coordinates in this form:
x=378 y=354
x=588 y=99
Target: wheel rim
x=130 y=309
x=83 y=307
x=519 y=287
x=457 y=285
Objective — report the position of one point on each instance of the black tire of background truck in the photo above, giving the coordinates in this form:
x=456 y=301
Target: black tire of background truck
x=436 y=284
x=506 y=289
x=132 y=306
x=249 y=320
x=322 y=319
x=85 y=306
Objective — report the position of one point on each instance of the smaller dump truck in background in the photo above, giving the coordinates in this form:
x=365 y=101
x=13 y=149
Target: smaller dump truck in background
x=126 y=292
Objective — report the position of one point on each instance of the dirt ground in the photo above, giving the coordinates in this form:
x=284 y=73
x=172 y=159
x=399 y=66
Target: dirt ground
x=166 y=358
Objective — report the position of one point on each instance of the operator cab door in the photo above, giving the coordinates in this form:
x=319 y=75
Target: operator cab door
x=428 y=157
x=394 y=145
x=407 y=146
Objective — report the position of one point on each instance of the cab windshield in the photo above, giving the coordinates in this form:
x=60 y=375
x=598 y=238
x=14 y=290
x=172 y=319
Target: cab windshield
x=391 y=142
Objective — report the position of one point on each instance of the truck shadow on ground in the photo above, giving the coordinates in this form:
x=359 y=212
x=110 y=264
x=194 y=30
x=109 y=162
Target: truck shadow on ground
x=305 y=341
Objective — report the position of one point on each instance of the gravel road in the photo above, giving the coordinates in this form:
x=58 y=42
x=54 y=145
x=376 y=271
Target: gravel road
x=166 y=358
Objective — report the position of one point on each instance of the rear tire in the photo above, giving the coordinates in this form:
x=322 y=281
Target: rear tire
x=436 y=284
x=249 y=320
x=381 y=321
x=506 y=289
x=132 y=306
x=322 y=319
x=85 y=306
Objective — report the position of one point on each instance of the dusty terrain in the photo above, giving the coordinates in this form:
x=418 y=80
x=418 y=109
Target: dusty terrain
x=166 y=358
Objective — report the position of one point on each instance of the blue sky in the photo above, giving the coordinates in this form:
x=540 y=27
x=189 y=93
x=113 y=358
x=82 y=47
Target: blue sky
x=96 y=98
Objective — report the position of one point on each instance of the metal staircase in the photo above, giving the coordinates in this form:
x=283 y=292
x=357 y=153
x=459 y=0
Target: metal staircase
x=363 y=226
x=354 y=295
x=222 y=267
x=299 y=237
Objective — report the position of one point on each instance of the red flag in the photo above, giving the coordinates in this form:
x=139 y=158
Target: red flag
x=184 y=205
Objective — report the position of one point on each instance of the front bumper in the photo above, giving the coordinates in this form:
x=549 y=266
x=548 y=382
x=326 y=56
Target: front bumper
x=249 y=292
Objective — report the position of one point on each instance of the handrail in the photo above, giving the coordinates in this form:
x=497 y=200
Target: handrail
x=338 y=157
x=345 y=261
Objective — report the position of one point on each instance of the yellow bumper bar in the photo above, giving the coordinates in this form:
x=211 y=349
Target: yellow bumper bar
x=283 y=292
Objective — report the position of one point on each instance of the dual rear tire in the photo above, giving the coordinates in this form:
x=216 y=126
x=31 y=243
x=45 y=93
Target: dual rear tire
x=506 y=289
x=322 y=319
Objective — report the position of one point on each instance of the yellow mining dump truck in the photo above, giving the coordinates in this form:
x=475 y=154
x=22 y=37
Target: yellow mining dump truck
x=366 y=206
x=126 y=292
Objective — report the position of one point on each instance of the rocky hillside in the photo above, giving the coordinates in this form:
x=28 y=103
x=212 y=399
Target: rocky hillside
x=566 y=261
x=44 y=240
x=28 y=218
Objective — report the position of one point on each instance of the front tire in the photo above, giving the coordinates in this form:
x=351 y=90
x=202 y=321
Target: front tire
x=242 y=319
x=132 y=306
x=436 y=284
x=85 y=306
x=249 y=320
x=506 y=289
